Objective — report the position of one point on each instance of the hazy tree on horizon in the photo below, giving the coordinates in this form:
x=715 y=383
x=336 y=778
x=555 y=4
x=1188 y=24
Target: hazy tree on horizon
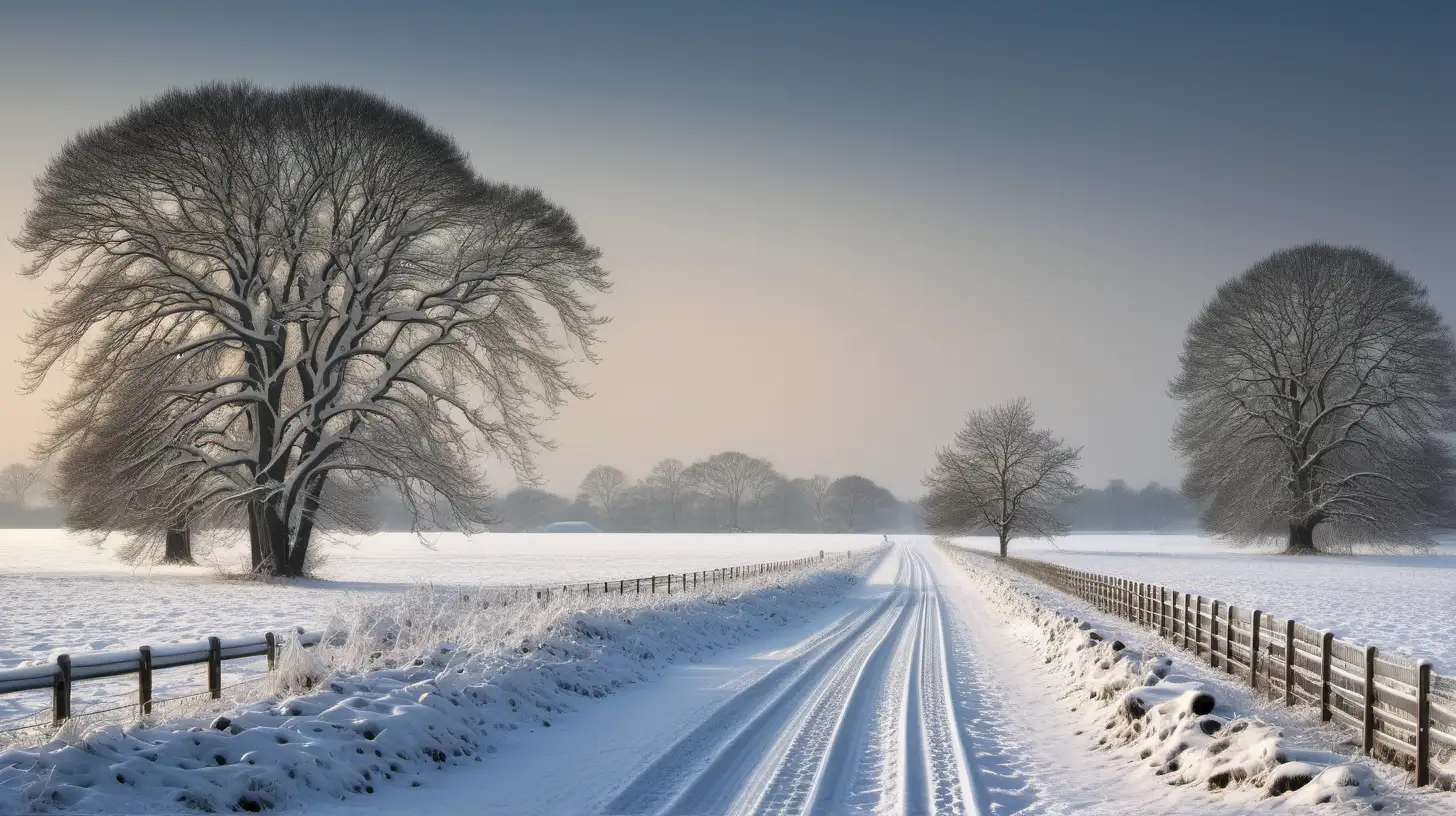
x=1315 y=388
x=1004 y=474
x=667 y=479
x=730 y=477
x=369 y=309
x=816 y=490
x=855 y=500
x=605 y=487
x=16 y=480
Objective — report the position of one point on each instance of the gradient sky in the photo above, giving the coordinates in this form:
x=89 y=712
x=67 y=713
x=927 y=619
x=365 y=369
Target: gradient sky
x=835 y=228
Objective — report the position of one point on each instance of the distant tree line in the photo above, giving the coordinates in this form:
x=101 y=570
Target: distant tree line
x=725 y=492
x=1120 y=508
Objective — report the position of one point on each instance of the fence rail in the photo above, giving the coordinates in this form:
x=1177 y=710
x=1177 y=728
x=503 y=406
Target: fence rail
x=1404 y=713
x=61 y=674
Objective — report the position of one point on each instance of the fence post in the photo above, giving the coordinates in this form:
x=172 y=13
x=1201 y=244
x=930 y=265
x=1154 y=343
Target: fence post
x=1197 y=625
x=1423 y=724
x=1326 y=655
x=1180 y=620
x=1369 y=719
x=214 y=667
x=639 y=586
x=1163 y=611
x=1213 y=632
x=1289 y=662
x=144 y=679
x=61 y=692
x=1254 y=650
x=1228 y=640
x=272 y=644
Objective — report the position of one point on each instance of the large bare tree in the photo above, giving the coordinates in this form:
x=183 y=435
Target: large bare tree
x=1003 y=473
x=667 y=480
x=605 y=487
x=327 y=291
x=730 y=477
x=1315 y=389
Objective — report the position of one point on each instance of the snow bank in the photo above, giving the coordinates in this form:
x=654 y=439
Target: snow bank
x=1171 y=723
x=377 y=708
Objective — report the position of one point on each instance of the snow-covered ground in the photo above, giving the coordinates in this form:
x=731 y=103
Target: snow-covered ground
x=58 y=593
x=421 y=683
x=1401 y=604
x=910 y=693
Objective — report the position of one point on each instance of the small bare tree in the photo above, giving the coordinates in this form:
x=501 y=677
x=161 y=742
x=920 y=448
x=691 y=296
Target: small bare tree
x=730 y=476
x=667 y=480
x=16 y=480
x=605 y=487
x=1316 y=387
x=1002 y=473
x=816 y=490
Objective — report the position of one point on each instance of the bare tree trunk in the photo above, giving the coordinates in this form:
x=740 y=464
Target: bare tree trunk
x=298 y=553
x=255 y=534
x=1004 y=541
x=179 y=545
x=1301 y=539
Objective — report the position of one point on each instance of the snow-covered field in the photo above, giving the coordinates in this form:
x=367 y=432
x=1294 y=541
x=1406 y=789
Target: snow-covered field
x=58 y=593
x=1401 y=604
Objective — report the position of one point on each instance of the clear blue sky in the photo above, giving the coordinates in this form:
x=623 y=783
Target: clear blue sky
x=837 y=227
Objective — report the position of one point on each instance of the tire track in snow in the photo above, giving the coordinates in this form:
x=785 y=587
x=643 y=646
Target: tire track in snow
x=731 y=734
x=796 y=769
x=860 y=774
x=868 y=720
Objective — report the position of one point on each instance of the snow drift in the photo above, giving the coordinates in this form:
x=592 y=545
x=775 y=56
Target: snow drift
x=1171 y=723
x=424 y=681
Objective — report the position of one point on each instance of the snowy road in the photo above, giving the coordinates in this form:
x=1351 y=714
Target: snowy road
x=860 y=721
x=911 y=696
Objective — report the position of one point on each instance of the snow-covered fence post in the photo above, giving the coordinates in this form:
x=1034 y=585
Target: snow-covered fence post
x=1213 y=632
x=270 y=643
x=144 y=680
x=214 y=667
x=1368 y=721
x=1163 y=629
x=1327 y=643
x=1289 y=662
x=61 y=691
x=1423 y=724
x=1254 y=649
x=1197 y=625
x=1228 y=640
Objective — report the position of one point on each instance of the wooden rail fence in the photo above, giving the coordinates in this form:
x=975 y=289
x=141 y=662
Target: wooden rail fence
x=1401 y=709
x=60 y=675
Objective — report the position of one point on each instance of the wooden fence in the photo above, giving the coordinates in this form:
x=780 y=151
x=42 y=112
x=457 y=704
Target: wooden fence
x=60 y=675
x=1399 y=707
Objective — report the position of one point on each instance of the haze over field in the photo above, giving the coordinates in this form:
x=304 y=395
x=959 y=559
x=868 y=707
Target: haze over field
x=827 y=253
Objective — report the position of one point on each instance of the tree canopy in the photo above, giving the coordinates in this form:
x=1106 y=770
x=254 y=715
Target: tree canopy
x=1316 y=388
x=317 y=292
